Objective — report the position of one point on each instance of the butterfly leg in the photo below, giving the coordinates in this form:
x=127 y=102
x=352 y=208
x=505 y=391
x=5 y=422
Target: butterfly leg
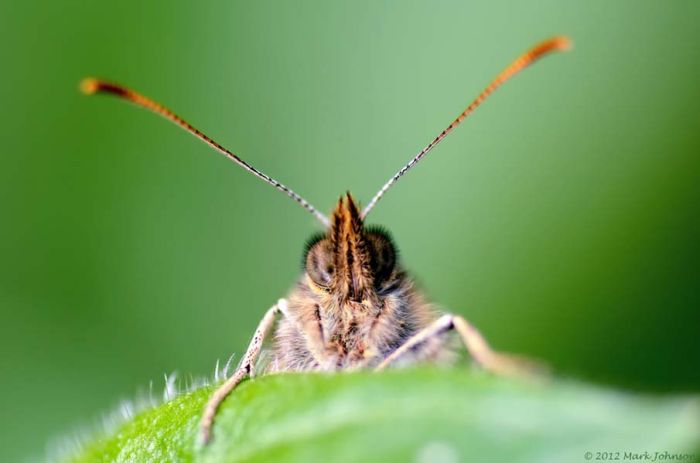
x=245 y=369
x=475 y=343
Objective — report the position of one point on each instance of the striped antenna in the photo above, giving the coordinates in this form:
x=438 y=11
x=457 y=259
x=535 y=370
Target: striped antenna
x=91 y=86
x=554 y=44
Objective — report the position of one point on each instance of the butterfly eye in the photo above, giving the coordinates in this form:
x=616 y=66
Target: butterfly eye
x=318 y=262
x=383 y=254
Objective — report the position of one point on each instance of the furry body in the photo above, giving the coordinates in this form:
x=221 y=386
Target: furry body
x=357 y=314
x=318 y=334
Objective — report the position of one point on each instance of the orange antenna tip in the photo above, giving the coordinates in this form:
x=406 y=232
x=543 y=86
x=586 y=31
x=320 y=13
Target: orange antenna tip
x=562 y=43
x=554 y=44
x=566 y=43
x=89 y=86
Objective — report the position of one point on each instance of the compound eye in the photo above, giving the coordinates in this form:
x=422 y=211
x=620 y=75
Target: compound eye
x=319 y=263
x=383 y=255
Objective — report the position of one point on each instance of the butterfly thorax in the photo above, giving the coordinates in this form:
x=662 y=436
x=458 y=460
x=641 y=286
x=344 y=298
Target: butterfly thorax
x=354 y=303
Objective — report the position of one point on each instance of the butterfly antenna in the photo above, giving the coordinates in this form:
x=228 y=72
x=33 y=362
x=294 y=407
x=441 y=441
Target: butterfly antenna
x=554 y=44
x=91 y=86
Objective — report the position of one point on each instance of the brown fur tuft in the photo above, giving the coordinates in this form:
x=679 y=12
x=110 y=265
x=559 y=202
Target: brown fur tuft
x=349 y=310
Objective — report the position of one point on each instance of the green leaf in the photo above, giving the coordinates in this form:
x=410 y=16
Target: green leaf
x=417 y=415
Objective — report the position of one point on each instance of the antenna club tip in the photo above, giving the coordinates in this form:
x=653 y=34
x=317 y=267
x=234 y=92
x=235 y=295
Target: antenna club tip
x=89 y=86
x=563 y=43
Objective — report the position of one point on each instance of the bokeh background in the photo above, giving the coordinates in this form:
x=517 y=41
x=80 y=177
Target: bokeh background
x=562 y=218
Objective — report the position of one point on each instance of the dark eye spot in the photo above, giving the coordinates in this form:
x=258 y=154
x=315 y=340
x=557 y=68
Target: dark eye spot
x=383 y=254
x=318 y=262
x=315 y=238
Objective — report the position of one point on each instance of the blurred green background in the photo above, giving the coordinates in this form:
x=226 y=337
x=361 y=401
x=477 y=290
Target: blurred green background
x=562 y=218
